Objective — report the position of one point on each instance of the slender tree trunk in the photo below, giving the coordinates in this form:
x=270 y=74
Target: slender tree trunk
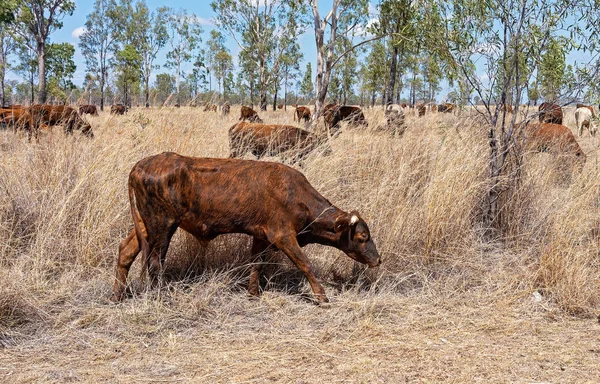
x=392 y=81
x=177 y=80
x=275 y=98
x=41 y=56
x=32 y=83
x=373 y=96
x=285 y=92
x=147 y=88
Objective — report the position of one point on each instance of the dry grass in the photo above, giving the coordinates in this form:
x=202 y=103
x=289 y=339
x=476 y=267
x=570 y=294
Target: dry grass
x=445 y=306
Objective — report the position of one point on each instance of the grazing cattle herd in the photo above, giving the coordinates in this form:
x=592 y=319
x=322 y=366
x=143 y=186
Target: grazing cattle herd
x=271 y=202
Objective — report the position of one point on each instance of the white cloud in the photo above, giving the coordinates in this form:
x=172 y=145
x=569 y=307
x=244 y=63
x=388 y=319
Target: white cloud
x=203 y=21
x=77 y=32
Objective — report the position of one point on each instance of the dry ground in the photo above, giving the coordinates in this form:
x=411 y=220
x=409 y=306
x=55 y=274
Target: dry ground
x=445 y=306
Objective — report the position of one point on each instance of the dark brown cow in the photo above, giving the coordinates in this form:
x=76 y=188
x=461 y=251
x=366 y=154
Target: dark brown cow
x=550 y=113
x=302 y=113
x=247 y=113
x=88 y=109
x=271 y=202
x=118 y=109
x=226 y=108
x=52 y=115
x=269 y=140
x=336 y=114
x=422 y=109
x=556 y=138
x=280 y=106
x=445 y=108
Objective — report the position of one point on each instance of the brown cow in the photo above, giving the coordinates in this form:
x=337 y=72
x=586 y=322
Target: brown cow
x=226 y=108
x=422 y=109
x=15 y=117
x=550 y=113
x=271 y=202
x=445 y=108
x=118 y=109
x=52 y=115
x=556 y=138
x=336 y=114
x=302 y=113
x=279 y=106
x=249 y=114
x=268 y=140
x=88 y=109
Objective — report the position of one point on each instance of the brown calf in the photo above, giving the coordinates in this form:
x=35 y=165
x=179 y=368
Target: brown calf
x=550 y=113
x=444 y=108
x=52 y=115
x=336 y=114
x=271 y=202
x=88 y=109
x=247 y=113
x=269 y=140
x=302 y=113
x=555 y=138
x=118 y=109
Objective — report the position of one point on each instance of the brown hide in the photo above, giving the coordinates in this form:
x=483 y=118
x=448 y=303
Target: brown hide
x=333 y=115
x=302 y=113
x=52 y=115
x=88 y=109
x=550 y=113
x=271 y=202
x=556 y=138
x=118 y=109
x=247 y=113
x=269 y=140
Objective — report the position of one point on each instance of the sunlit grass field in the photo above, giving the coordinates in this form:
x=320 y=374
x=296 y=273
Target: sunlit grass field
x=446 y=305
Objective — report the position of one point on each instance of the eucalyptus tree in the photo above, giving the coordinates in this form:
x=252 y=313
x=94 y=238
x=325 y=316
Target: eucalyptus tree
x=263 y=30
x=400 y=21
x=99 y=42
x=220 y=60
x=151 y=36
x=307 y=87
x=27 y=67
x=34 y=21
x=184 y=39
x=7 y=47
x=128 y=64
x=502 y=34
x=374 y=71
x=290 y=68
x=344 y=17
x=60 y=67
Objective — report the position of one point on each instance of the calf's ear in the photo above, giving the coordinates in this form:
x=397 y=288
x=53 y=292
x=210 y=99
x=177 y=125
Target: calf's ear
x=346 y=221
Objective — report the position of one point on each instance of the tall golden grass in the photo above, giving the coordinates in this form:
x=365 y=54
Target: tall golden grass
x=64 y=210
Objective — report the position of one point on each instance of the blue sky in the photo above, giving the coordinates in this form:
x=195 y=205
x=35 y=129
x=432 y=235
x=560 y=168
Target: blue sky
x=73 y=27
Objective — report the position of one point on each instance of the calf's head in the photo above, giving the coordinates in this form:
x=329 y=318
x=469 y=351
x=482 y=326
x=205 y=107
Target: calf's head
x=355 y=239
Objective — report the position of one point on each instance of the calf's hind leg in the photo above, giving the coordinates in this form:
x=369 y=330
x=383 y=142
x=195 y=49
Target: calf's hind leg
x=259 y=252
x=128 y=251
